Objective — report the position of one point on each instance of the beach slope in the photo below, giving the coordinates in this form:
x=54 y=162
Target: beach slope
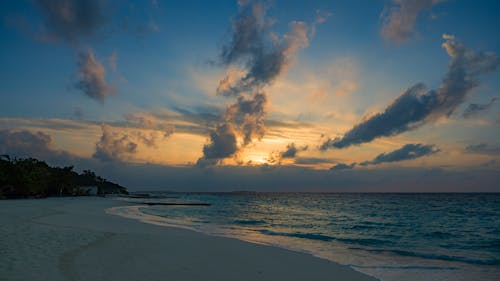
x=74 y=239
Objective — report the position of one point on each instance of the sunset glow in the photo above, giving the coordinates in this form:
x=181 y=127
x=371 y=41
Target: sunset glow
x=316 y=86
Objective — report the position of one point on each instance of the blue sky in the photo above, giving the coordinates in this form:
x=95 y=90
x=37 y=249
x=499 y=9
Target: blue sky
x=117 y=83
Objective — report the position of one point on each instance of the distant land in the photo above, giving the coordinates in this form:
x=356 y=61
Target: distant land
x=33 y=178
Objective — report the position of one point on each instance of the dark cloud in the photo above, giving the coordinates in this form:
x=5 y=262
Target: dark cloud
x=291 y=151
x=401 y=115
x=342 y=167
x=483 y=148
x=222 y=145
x=92 y=77
x=398 y=19
x=475 y=109
x=312 y=160
x=245 y=117
x=294 y=178
x=417 y=105
x=407 y=152
x=259 y=57
x=22 y=143
x=264 y=60
x=72 y=20
x=248 y=116
x=114 y=145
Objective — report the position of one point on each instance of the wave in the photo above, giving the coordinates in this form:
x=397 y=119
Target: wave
x=312 y=236
x=418 y=267
x=250 y=222
x=326 y=238
x=365 y=241
x=431 y=256
x=439 y=235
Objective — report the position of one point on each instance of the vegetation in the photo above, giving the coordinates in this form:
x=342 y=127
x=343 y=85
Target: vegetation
x=29 y=177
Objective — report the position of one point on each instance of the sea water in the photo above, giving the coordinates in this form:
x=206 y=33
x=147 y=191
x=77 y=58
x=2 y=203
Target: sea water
x=389 y=236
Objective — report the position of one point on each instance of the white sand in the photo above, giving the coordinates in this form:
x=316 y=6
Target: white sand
x=74 y=239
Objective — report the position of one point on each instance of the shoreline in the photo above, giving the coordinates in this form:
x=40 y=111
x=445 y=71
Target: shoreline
x=75 y=239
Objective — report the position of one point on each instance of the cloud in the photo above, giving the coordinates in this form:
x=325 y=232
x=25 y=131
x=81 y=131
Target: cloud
x=248 y=115
x=398 y=19
x=150 y=128
x=254 y=57
x=203 y=115
x=222 y=145
x=417 y=105
x=150 y=122
x=407 y=152
x=322 y=16
x=23 y=143
x=401 y=115
x=113 y=145
x=75 y=22
x=342 y=167
x=121 y=140
x=263 y=61
x=475 y=109
x=311 y=160
x=92 y=77
x=483 y=148
x=72 y=20
x=291 y=152
x=294 y=178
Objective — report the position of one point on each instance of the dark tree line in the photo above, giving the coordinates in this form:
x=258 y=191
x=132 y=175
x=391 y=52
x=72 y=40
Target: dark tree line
x=29 y=177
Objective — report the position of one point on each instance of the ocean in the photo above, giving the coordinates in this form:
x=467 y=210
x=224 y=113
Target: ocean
x=393 y=237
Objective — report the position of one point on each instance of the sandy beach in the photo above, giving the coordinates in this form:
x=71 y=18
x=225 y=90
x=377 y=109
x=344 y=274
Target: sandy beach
x=74 y=239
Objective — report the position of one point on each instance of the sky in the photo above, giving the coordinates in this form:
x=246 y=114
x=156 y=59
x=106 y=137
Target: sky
x=347 y=96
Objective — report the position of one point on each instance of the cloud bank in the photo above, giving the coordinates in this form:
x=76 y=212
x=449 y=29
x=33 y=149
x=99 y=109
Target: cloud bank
x=23 y=143
x=417 y=105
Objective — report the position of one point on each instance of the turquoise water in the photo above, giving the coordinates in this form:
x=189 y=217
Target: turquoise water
x=389 y=236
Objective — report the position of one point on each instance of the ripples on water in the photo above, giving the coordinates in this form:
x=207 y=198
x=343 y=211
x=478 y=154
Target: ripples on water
x=390 y=236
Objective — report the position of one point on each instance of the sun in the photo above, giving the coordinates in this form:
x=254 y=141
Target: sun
x=256 y=158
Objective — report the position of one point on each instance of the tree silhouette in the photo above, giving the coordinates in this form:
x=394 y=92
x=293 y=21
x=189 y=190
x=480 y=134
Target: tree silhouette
x=30 y=177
